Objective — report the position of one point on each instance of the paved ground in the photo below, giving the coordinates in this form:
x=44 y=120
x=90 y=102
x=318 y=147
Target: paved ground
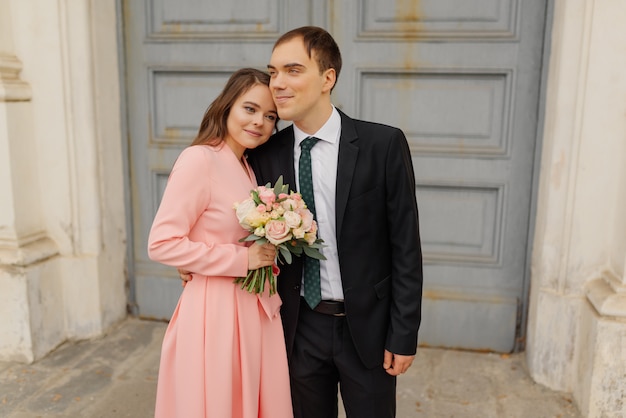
x=115 y=376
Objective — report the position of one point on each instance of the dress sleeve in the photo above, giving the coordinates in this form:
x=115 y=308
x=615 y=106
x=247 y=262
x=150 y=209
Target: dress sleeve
x=187 y=195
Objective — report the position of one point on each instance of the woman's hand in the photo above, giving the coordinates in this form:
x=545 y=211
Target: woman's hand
x=261 y=255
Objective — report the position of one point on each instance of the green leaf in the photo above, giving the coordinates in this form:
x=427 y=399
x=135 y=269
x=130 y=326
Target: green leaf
x=313 y=253
x=286 y=254
x=252 y=237
x=278 y=186
x=255 y=197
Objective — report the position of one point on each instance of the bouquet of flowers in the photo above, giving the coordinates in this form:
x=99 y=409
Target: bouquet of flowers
x=276 y=215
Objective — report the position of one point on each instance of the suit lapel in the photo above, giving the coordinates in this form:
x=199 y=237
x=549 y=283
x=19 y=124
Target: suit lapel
x=284 y=159
x=348 y=153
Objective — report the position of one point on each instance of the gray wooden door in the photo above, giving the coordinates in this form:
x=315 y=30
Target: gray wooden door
x=461 y=78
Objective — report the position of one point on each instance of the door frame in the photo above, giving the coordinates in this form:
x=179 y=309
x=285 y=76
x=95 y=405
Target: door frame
x=520 y=340
x=131 y=303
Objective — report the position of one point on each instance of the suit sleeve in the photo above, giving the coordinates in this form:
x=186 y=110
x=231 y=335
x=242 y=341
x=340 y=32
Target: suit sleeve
x=186 y=197
x=406 y=253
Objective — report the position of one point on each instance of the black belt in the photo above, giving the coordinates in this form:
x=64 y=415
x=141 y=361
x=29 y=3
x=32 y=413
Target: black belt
x=331 y=307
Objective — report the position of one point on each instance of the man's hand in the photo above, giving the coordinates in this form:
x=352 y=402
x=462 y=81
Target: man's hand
x=185 y=276
x=396 y=364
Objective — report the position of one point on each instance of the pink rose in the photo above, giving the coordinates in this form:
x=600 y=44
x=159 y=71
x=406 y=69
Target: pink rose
x=267 y=196
x=298 y=202
x=277 y=232
x=307 y=218
x=311 y=235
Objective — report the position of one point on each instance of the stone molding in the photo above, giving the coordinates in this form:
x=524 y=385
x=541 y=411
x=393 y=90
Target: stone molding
x=37 y=250
x=607 y=295
x=12 y=89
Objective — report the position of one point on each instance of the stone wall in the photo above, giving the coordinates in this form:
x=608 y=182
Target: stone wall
x=577 y=316
x=62 y=220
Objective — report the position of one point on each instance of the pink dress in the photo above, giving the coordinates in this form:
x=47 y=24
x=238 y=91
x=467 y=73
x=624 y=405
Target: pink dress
x=223 y=353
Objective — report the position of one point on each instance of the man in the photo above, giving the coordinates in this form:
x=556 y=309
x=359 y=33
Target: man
x=363 y=333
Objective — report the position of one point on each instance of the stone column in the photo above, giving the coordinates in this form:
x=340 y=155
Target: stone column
x=27 y=254
x=577 y=315
x=62 y=220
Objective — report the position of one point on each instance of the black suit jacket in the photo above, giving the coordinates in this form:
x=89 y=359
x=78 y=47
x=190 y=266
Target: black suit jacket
x=378 y=238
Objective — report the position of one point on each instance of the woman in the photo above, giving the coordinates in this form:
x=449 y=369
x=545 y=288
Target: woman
x=223 y=353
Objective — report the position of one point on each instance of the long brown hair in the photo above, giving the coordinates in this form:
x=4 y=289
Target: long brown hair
x=213 y=128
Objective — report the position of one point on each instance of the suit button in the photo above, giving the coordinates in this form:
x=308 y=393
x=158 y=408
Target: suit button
x=296 y=287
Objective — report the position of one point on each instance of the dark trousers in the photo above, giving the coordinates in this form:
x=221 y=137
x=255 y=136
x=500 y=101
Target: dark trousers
x=324 y=356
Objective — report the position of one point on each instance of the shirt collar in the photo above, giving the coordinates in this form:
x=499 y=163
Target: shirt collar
x=329 y=132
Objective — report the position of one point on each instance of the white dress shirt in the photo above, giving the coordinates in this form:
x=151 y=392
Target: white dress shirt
x=324 y=157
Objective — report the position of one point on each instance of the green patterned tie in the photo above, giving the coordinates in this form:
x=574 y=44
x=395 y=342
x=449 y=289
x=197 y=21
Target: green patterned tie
x=312 y=290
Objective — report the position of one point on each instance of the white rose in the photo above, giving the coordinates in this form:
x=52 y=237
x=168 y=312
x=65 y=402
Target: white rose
x=289 y=204
x=243 y=210
x=293 y=219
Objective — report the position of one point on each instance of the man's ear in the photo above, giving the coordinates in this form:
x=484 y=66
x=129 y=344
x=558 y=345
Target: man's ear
x=330 y=78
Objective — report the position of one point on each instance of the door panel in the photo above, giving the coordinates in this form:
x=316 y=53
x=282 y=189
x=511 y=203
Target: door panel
x=460 y=78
